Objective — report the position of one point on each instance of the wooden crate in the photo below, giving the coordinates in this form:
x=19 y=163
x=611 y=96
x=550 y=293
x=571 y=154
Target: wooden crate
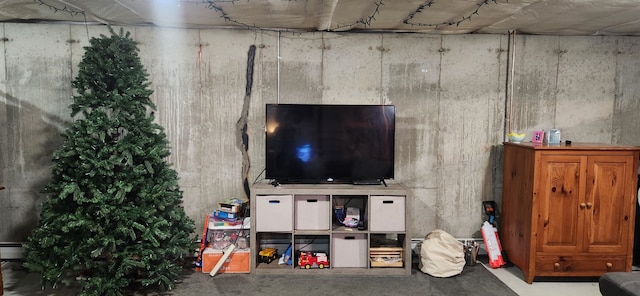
x=386 y=257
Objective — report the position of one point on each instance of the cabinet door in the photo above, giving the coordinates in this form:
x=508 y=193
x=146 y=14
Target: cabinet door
x=609 y=198
x=560 y=222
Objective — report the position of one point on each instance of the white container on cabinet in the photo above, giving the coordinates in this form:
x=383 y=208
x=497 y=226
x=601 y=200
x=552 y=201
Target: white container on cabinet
x=312 y=212
x=350 y=250
x=274 y=213
x=387 y=213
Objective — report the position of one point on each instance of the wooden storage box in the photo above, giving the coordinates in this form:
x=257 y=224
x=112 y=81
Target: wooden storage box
x=386 y=257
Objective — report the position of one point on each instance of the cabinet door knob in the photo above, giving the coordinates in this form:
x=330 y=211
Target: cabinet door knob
x=609 y=265
x=589 y=205
x=556 y=265
x=583 y=205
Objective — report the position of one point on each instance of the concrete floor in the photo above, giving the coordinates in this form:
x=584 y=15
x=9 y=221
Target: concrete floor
x=511 y=276
x=19 y=282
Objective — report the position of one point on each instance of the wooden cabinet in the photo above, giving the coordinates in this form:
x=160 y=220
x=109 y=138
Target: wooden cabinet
x=568 y=210
x=303 y=217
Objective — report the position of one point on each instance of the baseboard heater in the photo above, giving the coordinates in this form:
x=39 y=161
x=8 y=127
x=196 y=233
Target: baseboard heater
x=11 y=251
x=416 y=241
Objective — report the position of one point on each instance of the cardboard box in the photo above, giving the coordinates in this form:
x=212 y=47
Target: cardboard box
x=238 y=262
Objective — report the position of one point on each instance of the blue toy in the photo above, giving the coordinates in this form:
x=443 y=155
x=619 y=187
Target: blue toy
x=286 y=256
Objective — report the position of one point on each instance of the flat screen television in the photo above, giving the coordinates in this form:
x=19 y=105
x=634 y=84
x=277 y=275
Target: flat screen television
x=329 y=143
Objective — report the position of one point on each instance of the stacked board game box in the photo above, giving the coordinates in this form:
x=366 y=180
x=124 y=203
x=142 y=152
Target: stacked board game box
x=231 y=209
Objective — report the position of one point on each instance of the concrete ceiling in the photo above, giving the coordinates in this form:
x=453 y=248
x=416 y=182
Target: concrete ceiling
x=548 y=17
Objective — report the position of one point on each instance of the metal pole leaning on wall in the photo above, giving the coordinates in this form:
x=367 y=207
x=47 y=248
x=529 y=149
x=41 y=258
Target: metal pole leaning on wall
x=1 y=281
x=511 y=73
x=278 y=61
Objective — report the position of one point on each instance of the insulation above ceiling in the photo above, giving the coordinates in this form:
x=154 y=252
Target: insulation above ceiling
x=548 y=17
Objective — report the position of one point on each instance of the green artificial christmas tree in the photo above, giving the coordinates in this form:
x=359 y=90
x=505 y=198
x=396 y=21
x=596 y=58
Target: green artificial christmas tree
x=113 y=217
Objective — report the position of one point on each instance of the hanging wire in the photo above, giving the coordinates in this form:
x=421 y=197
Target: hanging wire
x=430 y=3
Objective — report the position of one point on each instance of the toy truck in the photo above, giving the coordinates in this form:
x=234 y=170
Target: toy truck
x=310 y=259
x=267 y=255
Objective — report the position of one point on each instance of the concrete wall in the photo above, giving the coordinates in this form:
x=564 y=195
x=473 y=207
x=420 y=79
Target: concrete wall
x=451 y=93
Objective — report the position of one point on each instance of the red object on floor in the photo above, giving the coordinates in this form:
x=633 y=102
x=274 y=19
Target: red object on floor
x=492 y=244
x=203 y=243
x=1 y=282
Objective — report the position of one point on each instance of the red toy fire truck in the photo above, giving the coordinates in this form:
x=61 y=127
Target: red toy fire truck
x=310 y=259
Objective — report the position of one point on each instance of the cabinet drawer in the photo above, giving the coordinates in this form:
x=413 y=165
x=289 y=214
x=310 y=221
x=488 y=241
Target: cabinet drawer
x=312 y=212
x=274 y=213
x=579 y=265
x=387 y=213
x=350 y=250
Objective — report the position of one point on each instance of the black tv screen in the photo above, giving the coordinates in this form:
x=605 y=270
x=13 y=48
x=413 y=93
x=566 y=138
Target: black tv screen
x=329 y=143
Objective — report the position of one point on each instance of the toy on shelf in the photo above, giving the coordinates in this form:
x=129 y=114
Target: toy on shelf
x=267 y=255
x=286 y=256
x=313 y=259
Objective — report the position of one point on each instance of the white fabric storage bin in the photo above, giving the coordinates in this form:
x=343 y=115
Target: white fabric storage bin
x=387 y=213
x=274 y=213
x=312 y=212
x=350 y=250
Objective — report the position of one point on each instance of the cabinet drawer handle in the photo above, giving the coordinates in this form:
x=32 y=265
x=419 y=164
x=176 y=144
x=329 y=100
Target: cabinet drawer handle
x=274 y=201
x=312 y=200
x=387 y=201
x=583 y=205
x=589 y=205
x=349 y=237
x=609 y=266
x=556 y=265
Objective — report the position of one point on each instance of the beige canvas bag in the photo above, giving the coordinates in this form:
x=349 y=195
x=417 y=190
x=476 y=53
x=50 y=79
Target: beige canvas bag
x=441 y=255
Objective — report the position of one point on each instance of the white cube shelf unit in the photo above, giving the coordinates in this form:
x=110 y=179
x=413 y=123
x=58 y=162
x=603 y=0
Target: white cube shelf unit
x=303 y=216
